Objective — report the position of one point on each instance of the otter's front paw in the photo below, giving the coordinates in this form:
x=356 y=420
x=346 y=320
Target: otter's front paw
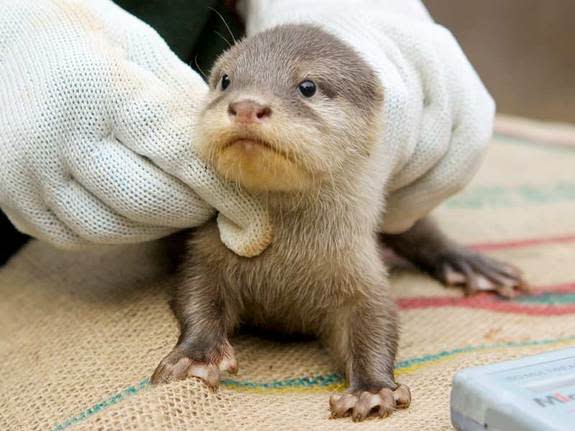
x=360 y=403
x=184 y=362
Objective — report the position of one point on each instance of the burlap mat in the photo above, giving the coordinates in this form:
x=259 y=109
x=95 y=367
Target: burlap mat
x=81 y=332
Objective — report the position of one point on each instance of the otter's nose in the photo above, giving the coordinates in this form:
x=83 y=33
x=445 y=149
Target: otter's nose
x=248 y=111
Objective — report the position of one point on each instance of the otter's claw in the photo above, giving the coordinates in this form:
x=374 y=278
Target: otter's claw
x=476 y=273
x=361 y=404
x=180 y=364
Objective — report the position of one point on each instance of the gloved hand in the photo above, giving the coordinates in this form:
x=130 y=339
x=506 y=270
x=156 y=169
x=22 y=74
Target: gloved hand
x=97 y=128
x=437 y=116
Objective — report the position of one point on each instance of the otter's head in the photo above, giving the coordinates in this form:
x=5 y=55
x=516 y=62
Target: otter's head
x=288 y=109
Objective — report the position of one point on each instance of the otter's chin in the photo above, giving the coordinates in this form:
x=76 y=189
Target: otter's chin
x=256 y=166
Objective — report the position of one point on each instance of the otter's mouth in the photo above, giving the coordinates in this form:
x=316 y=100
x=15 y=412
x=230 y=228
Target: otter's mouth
x=248 y=144
x=251 y=145
x=259 y=165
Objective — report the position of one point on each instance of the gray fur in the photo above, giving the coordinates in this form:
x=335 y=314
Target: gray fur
x=323 y=273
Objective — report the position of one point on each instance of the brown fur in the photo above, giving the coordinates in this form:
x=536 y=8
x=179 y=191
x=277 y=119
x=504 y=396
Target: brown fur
x=323 y=273
x=312 y=139
x=428 y=248
x=315 y=164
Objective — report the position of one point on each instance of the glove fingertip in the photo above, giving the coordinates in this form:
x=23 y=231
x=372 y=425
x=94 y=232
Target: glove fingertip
x=246 y=242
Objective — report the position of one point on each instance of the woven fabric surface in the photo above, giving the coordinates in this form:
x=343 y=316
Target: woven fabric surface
x=81 y=332
x=98 y=132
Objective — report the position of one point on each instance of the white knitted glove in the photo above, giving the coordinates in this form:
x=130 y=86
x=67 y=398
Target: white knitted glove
x=437 y=115
x=96 y=132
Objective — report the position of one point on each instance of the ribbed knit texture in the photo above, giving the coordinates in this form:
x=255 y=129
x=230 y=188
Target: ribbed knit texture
x=437 y=115
x=97 y=132
x=98 y=117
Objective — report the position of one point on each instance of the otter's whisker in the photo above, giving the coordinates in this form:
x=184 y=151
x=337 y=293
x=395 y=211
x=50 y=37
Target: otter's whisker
x=223 y=38
x=199 y=68
x=225 y=23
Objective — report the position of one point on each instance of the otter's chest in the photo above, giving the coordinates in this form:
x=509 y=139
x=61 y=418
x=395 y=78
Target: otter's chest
x=300 y=269
x=287 y=287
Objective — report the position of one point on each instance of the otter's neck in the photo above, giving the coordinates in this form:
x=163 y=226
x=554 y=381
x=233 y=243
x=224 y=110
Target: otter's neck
x=347 y=204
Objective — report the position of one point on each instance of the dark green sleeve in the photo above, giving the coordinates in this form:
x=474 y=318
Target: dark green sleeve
x=10 y=239
x=194 y=29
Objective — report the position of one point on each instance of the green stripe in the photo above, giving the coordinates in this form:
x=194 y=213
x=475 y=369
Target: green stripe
x=96 y=408
x=323 y=380
x=479 y=197
x=547 y=299
x=481 y=347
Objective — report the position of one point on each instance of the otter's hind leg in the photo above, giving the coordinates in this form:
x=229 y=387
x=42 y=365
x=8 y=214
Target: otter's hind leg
x=430 y=250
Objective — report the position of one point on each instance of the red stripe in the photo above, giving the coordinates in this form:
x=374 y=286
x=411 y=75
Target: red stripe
x=488 y=301
x=523 y=243
x=498 y=306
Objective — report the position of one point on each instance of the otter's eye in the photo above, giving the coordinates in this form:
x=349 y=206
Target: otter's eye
x=307 y=88
x=225 y=82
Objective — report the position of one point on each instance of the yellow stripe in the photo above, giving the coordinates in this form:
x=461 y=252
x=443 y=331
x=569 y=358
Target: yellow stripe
x=338 y=387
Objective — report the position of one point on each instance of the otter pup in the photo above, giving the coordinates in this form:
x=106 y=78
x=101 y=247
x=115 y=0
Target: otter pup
x=293 y=116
